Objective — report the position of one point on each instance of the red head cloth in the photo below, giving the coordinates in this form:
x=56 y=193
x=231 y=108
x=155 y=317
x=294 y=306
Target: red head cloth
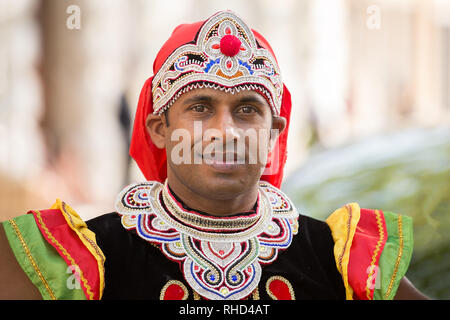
x=222 y=52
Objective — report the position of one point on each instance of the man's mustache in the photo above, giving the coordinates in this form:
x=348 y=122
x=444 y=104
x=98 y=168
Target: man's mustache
x=217 y=151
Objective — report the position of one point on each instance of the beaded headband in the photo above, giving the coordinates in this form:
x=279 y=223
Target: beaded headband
x=225 y=55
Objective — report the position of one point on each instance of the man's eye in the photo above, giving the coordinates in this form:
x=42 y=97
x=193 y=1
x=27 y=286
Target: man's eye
x=246 y=109
x=199 y=108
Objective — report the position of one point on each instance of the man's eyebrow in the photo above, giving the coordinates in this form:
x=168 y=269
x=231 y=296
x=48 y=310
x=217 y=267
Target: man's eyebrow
x=251 y=98
x=247 y=98
x=198 y=98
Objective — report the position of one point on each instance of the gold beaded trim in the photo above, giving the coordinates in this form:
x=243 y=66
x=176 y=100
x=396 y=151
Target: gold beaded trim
x=196 y=295
x=255 y=294
x=341 y=256
x=399 y=257
x=31 y=259
x=377 y=249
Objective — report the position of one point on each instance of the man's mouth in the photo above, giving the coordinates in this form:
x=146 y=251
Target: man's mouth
x=224 y=158
x=224 y=161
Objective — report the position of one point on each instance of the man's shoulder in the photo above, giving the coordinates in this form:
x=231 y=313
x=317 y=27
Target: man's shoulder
x=105 y=223
x=312 y=224
x=104 y=218
x=314 y=233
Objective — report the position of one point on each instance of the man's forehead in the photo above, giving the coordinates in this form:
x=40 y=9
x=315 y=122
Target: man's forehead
x=217 y=95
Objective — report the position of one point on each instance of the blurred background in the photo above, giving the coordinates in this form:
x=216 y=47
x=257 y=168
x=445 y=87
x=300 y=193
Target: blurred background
x=370 y=82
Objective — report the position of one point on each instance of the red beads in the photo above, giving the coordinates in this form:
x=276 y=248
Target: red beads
x=230 y=45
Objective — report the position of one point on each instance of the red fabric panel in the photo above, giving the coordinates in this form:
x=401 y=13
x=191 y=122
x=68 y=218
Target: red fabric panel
x=151 y=160
x=275 y=177
x=57 y=232
x=368 y=243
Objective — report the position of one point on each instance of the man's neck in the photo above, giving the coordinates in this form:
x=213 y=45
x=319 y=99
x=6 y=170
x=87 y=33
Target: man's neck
x=240 y=203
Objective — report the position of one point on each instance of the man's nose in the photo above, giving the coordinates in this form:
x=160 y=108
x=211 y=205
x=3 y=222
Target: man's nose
x=225 y=128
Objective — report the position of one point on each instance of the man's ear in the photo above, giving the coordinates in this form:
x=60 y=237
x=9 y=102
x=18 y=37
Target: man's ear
x=157 y=129
x=278 y=126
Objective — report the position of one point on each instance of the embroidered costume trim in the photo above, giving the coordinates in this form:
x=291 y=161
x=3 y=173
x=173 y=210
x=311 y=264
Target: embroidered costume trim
x=174 y=290
x=279 y=288
x=220 y=257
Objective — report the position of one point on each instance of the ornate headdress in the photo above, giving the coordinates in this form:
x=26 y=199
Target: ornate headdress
x=225 y=53
x=222 y=53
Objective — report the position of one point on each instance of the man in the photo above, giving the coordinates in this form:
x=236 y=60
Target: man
x=210 y=137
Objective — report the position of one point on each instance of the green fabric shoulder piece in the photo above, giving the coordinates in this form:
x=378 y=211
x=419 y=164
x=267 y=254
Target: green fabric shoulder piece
x=396 y=255
x=40 y=261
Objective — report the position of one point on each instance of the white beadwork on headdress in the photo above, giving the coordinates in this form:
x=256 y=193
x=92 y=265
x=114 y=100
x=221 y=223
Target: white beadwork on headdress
x=226 y=56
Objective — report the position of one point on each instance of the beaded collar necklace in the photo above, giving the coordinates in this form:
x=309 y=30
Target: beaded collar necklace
x=233 y=228
x=220 y=257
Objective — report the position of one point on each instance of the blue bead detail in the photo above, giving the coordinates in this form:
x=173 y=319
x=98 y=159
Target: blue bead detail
x=245 y=64
x=210 y=64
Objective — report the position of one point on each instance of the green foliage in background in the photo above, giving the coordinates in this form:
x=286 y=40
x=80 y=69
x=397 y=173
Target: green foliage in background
x=407 y=173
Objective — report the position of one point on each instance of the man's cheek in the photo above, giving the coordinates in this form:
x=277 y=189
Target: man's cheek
x=178 y=147
x=262 y=147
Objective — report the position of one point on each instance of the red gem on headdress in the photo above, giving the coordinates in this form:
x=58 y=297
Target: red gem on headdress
x=230 y=45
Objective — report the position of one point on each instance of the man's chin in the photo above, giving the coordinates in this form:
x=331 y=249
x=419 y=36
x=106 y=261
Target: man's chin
x=227 y=182
x=225 y=167
x=220 y=181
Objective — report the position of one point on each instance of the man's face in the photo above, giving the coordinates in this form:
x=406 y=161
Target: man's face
x=216 y=142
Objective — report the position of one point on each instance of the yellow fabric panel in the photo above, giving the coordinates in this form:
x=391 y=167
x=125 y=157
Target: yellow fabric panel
x=342 y=223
